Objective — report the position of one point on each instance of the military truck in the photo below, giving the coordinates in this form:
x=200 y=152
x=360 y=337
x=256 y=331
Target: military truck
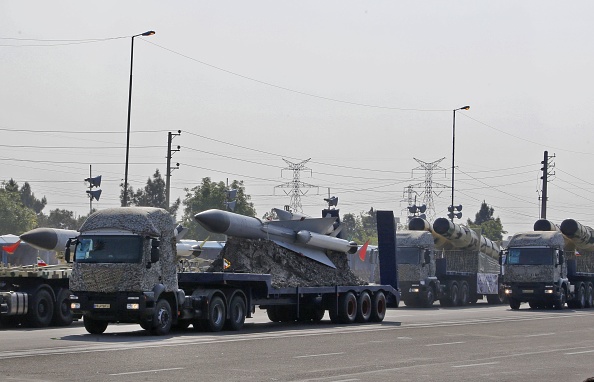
x=125 y=270
x=446 y=262
x=550 y=266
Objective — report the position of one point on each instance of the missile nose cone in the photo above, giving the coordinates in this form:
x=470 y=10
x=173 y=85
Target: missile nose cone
x=216 y=221
x=41 y=237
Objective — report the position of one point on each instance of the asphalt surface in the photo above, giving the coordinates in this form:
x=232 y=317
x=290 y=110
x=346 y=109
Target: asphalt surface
x=478 y=343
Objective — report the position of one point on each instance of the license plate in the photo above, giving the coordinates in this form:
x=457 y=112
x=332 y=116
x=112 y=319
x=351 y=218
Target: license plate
x=101 y=306
x=528 y=291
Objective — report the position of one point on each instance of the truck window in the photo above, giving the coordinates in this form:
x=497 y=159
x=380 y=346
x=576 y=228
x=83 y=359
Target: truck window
x=530 y=256
x=408 y=255
x=109 y=249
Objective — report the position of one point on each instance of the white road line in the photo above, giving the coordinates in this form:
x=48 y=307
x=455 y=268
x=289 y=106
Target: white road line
x=447 y=343
x=580 y=352
x=539 y=335
x=317 y=355
x=148 y=371
x=477 y=364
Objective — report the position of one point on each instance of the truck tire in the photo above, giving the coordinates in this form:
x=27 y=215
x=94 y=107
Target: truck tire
x=589 y=296
x=363 y=307
x=347 y=308
x=464 y=296
x=453 y=297
x=514 y=304
x=428 y=297
x=62 y=313
x=162 y=318
x=216 y=315
x=41 y=309
x=560 y=301
x=236 y=314
x=378 y=307
x=94 y=326
x=581 y=298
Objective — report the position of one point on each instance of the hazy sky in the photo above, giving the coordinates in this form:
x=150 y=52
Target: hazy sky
x=360 y=87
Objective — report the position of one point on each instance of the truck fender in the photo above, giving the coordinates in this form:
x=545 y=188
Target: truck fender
x=204 y=295
x=158 y=290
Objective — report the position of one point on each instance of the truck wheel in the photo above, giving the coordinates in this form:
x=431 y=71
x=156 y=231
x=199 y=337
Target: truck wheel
x=464 y=294
x=94 y=326
x=453 y=300
x=363 y=307
x=581 y=298
x=347 y=308
x=216 y=315
x=378 y=307
x=589 y=296
x=236 y=314
x=428 y=298
x=514 y=304
x=62 y=313
x=560 y=301
x=162 y=318
x=41 y=309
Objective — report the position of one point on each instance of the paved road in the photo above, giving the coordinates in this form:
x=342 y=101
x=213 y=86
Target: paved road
x=479 y=343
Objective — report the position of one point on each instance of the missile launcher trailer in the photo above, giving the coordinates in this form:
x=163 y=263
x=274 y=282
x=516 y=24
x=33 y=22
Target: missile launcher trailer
x=551 y=266
x=125 y=270
x=35 y=296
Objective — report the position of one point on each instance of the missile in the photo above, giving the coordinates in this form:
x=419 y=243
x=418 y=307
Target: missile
x=305 y=236
x=420 y=224
x=545 y=225
x=464 y=238
x=52 y=239
x=581 y=235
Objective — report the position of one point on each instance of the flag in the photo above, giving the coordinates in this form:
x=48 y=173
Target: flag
x=40 y=262
x=226 y=263
x=363 y=251
x=11 y=248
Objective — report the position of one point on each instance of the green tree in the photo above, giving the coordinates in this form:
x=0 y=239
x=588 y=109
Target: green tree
x=15 y=218
x=210 y=195
x=490 y=227
x=62 y=219
x=360 y=228
x=29 y=200
x=152 y=195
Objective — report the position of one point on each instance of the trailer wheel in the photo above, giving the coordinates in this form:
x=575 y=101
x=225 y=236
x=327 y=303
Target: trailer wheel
x=216 y=315
x=363 y=307
x=581 y=298
x=378 y=307
x=236 y=314
x=162 y=319
x=429 y=297
x=347 y=308
x=453 y=298
x=560 y=301
x=41 y=309
x=62 y=312
x=94 y=326
x=589 y=296
x=514 y=304
x=464 y=297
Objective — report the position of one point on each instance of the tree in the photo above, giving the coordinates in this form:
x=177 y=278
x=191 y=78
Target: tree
x=29 y=200
x=62 y=219
x=15 y=218
x=490 y=227
x=210 y=195
x=153 y=195
x=360 y=228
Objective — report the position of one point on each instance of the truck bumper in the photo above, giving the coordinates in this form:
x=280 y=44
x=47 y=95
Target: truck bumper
x=114 y=307
x=532 y=292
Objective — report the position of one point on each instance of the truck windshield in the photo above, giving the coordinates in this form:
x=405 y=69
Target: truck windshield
x=530 y=256
x=407 y=255
x=109 y=249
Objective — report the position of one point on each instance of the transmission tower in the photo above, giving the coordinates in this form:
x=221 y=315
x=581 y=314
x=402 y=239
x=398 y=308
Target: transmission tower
x=428 y=185
x=296 y=185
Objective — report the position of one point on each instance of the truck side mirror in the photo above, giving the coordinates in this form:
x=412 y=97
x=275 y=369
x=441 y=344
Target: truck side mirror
x=67 y=251
x=155 y=252
x=561 y=258
x=427 y=256
x=500 y=257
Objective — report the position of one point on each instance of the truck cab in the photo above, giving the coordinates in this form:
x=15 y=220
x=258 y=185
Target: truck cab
x=416 y=268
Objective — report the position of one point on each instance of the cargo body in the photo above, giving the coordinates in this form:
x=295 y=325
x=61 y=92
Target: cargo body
x=125 y=270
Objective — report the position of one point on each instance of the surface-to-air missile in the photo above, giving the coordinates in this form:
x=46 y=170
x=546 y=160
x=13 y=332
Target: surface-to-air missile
x=582 y=236
x=420 y=224
x=464 y=238
x=307 y=236
x=545 y=225
x=52 y=239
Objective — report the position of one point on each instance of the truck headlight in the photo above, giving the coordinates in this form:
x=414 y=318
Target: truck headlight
x=414 y=290
x=133 y=306
x=548 y=291
x=75 y=305
x=508 y=291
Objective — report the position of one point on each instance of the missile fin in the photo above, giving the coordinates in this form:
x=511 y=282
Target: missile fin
x=317 y=225
x=316 y=255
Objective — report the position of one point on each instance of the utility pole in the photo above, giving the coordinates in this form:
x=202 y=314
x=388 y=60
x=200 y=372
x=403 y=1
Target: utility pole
x=545 y=181
x=170 y=169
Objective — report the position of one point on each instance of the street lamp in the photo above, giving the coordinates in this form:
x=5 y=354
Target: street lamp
x=125 y=201
x=452 y=207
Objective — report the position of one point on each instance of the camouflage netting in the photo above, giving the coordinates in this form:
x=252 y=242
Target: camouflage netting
x=287 y=268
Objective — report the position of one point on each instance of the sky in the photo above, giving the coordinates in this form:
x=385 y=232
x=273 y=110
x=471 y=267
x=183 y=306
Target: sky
x=360 y=90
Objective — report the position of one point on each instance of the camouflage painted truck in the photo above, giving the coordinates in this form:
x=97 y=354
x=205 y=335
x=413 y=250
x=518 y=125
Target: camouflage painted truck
x=125 y=270
x=550 y=266
x=446 y=262
x=36 y=296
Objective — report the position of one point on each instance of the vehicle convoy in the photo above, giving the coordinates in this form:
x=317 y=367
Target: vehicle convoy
x=550 y=266
x=125 y=270
x=446 y=262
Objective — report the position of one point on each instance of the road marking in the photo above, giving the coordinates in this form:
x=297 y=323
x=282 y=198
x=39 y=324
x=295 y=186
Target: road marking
x=580 y=352
x=539 y=335
x=477 y=364
x=317 y=355
x=148 y=371
x=447 y=343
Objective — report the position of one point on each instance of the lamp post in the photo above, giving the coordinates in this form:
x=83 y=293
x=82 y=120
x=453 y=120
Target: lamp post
x=453 y=153
x=125 y=201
